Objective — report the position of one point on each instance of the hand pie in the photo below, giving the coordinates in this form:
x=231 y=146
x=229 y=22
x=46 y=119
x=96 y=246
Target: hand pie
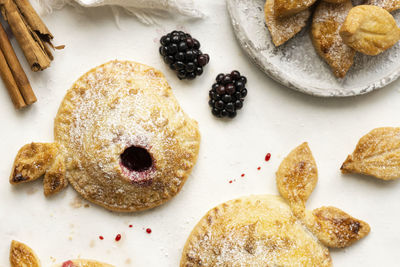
x=370 y=30
x=377 y=154
x=328 y=18
x=23 y=256
x=283 y=29
x=285 y=8
x=253 y=231
x=271 y=230
x=121 y=140
x=389 y=5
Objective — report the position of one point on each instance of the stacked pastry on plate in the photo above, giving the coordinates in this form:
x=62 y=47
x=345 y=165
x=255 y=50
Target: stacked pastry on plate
x=339 y=29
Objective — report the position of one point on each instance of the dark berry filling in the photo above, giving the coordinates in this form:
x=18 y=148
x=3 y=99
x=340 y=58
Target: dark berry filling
x=182 y=53
x=136 y=159
x=227 y=94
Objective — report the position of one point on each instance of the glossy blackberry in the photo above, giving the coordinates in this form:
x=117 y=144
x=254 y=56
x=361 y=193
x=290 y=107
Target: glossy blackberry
x=227 y=94
x=182 y=53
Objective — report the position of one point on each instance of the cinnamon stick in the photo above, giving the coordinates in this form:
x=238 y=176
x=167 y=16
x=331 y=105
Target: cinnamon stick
x=16 y=68
x=30 y=43
x=33 y=20
x=10 y=83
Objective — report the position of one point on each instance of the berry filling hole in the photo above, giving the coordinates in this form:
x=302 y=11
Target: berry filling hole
x=136 y=159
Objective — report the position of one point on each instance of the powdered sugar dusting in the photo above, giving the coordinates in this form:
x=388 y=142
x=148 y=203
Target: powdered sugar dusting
x=118 y=105
x=297 y=65
x=253 y=231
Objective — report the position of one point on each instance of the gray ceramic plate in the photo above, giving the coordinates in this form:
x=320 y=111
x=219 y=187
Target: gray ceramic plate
x=297 y=65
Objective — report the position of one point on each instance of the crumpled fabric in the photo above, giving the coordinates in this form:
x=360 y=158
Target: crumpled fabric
x=147 y=11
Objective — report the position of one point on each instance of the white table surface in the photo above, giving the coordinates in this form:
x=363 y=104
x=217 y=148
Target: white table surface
x=274 y=119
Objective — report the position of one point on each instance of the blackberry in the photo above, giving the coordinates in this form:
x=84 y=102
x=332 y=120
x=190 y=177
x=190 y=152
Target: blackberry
x=182 y=53
x=227 y=94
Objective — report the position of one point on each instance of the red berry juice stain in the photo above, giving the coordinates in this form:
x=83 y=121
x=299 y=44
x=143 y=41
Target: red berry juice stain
x=242 y=175
x=268 y=157
x=259 y=168
x=118 y=238
x=68 y=264
x=148 y=230
x=101 y=237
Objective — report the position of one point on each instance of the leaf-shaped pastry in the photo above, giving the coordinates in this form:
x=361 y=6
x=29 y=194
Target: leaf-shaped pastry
x=377 y=154
x=389 y=5
x=32 y=161
x=327 y=20
x=297 y=177
x=55 y=179
x=334 y=227
x=283 y=29
x=285 y=8
x=22 y=256
x=370 y=30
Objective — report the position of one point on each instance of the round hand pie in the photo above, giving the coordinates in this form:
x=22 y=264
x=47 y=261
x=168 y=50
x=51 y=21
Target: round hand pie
x=272 y=230
x=121 y=140
x=253 y=231
x=23 y=256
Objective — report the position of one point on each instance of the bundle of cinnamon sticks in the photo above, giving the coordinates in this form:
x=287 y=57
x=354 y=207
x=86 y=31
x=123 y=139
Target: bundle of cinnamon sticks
x=34 y=39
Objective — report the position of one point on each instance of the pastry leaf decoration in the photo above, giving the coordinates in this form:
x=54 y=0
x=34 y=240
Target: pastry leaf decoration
x=334 y=227
x=297 y=177
x=376 y=154
x=22 y=255
x=40 y=159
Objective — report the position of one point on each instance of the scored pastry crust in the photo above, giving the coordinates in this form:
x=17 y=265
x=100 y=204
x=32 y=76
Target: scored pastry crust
x=253 y=231
x=22 y=256
x=370 y=30
x=297 y=177
x=389 y=5
x=274 y=231
x=328 y=18
x=115 y=106
x=377 y=154
x=283 y=29
x=285 y=8
x=334 y=227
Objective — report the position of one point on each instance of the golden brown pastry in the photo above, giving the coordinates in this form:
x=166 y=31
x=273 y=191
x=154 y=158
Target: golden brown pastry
x=328 y=18
x=334 y=227
x=370 y=30
x=285 y=8
x=335 y=1
x=297 y=177
x=283 y=29
x=253 y=231
x=389 y=5
x=270 y=230
x=376 y=154
x=22 y=256
x=121 y=140
x=82 y=263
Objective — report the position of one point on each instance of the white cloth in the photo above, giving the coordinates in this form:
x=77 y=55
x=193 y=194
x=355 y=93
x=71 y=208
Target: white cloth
x=145 y=10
